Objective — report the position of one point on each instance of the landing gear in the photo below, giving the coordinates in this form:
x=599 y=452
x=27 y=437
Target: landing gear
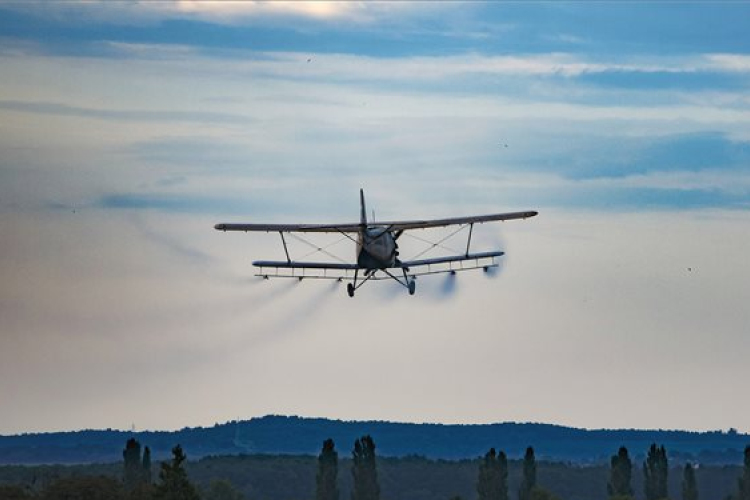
x=410 y=284
x=350 y=287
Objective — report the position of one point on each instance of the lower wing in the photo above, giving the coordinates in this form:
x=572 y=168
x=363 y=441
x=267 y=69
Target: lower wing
x=332 y=270
x=452 y=263
x=408 y=264
x=295 y=269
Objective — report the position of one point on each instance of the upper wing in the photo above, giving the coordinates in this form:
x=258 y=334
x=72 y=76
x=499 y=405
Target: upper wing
x=290 y=228
x=474 y=219
x=355 y=227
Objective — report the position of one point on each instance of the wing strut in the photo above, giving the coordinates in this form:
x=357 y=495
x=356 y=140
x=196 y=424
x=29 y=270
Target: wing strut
x=286 y=251
x=468 y=242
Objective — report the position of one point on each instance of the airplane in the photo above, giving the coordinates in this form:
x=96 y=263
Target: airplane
x=377 y=250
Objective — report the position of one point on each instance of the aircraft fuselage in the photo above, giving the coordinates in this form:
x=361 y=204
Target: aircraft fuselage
x=376 y=248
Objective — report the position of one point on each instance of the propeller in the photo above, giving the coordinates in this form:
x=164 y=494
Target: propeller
x=448 y=286
x=496 y=240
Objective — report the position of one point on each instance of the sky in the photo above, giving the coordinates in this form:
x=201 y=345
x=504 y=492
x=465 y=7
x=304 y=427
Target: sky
x=128 y=129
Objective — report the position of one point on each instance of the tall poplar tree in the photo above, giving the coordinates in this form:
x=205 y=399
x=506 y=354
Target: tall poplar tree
x=492 y=483
x=689 y=486
x=133 y=473
x=328 y=466
x=744 y=481
x=146 y=467
x=364 y=470
x=655 y=472
x=620 y=474
x=528 y=482
x=502 y=475
x=137 y=469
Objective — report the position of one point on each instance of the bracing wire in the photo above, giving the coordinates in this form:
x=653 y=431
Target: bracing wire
x=319 y=249
x=439 y=243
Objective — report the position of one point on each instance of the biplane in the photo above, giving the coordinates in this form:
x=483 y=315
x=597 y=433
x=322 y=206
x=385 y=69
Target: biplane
x=377 y=250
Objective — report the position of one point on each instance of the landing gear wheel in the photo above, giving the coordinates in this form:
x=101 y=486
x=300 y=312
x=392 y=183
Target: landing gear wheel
x=412 y=287
x=350 y=289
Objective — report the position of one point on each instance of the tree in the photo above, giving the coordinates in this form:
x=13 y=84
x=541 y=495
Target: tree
x=221 y=489
x=502 y=467
x=744 y=481
x=655 y=471
x=620 y=474
x=84 y=488
x=364 y=471
x=492 y=483
x=689 y=486
x=137 y=470
x=538 y=493
x=173 y=480
x=326 y=487
x=529 y=475
x=14 y=492
x=144 y=491
x=146 y=466
x=133 y=472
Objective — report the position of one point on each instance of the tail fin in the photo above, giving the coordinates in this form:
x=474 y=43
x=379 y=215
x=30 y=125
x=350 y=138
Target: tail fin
x=363 y=210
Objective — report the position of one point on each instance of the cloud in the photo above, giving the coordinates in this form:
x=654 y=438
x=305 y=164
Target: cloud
x=733 y=183
x=729 y=62
x=180 y=203
x=385 y=28
x=206 y=134
x=235 y=11
x=609 y=156
x=60 y=109
x=215 y=154
x=471 y=63
x=229 y=12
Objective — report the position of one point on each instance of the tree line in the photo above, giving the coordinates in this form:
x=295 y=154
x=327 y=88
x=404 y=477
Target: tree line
x=136 y=484
x=492 y=475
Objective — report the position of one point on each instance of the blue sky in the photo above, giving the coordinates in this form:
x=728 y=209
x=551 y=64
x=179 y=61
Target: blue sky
x=127 y=129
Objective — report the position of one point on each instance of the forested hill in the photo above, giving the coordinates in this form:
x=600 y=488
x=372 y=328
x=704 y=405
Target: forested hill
x=296 y=435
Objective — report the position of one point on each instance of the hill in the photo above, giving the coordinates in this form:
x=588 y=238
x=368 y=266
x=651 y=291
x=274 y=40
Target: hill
x=303 y=436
